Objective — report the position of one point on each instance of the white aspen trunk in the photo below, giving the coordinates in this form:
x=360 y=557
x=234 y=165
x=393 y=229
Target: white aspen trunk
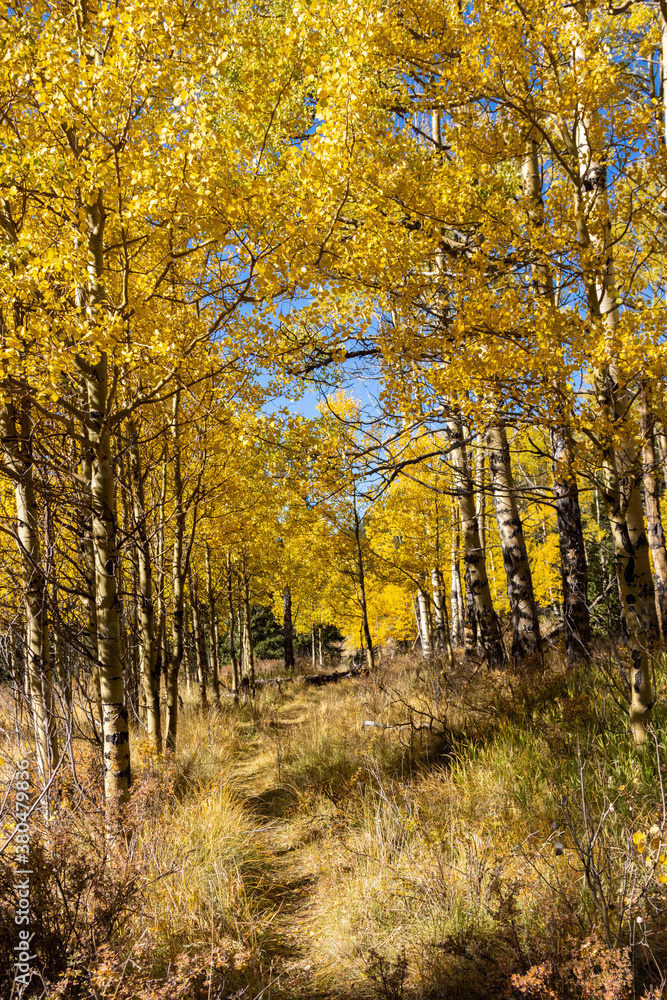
x=420 y=631
x=212 y=636
x=177 y=577
x=288 y=629
x=574 y=571
x=127 y=583
x=112 y=682
x=88 y=568
x=191 y=675
x=243 y=652
x=661 y=439
x=117 y=774
x=370 y=660
x=425 y=630
x=216 y=635
x=60 y=672
x=162 y=650
x=145 y=587
x=478 y=592
x=614 y=396
x=656 y=533
x=441 y=619
x=198 y=637
x=480 y=500
x=526 y=631
x=455 y=595
x=436 y=590
x=232 y=626
x=248 y=649
x=16 y=430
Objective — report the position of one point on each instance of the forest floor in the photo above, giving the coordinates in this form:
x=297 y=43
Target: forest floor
x=410 y=823
x=421 y=833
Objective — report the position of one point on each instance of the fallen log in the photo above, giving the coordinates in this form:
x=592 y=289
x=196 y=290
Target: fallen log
x=316 y=680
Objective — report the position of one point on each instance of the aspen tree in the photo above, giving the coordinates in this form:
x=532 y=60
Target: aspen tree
x=477 y=584
x=177 y=580
x=145 y=593
x=455 y=591
x=288 y=628
x=566 y=493
x=614 y=395
x=526 y=639
x=127 y=582
x=16 y=429
x=112 y=687
x=370 y=659
x=198 y=636
x=162 y=658
x=480 y=496
x=425 y=624
x=212 y=631
x=441 y=618
x=656 y=533
x=88 y=567
x=232 y=626
x=247 y=618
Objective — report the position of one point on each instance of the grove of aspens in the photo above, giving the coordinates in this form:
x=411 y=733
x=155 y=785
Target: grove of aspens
x=333 y=468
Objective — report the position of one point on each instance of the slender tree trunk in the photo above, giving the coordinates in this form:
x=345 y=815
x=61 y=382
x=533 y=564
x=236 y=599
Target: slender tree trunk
x=60 y=671
x=162 y=658
x=288 y=629
x=319 y=639
x=88 y=568
x=574 y=570
x=212 y=638
x=526 y=637
x=16 y=430
x=441 y=621
x=198 y=636
x=418 y=622
x=191 y=674
x=425 y=629
x=661 y=438
x=243 y=651
x=177 y=577
x=117 y=774
x=455 y=594
x=249 y=649
x=370 y=660
x=634 y=518
x=619 y=463
x=127 y=583
x=232 y=626
x=147 y=642
x=312 y=645
x=652 y=500
x=470 y=632
x=436 y=589
x=216 y=636
x=480 y=507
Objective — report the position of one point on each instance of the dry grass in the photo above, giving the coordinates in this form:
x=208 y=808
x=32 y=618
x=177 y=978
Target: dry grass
x=292 y=850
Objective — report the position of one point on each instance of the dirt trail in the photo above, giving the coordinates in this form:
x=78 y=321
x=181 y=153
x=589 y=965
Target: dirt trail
x=264 y=794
